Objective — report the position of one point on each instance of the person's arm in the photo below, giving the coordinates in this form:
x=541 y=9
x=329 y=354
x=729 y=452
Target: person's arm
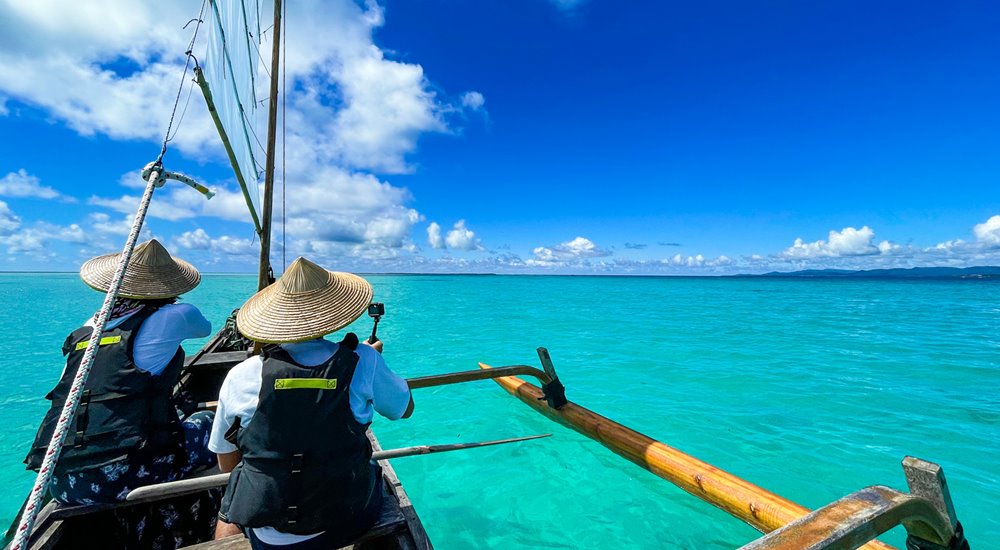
x=227 y=453
x=190 y=321
x=409 y=408
x=165 y=330
x=227 y=461
x=391 y=395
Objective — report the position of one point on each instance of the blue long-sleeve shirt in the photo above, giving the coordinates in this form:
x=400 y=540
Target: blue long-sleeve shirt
x=161 y=333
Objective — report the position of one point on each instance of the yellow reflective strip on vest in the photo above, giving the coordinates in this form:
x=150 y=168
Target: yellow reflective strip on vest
x=107 y=340
x=305 y=384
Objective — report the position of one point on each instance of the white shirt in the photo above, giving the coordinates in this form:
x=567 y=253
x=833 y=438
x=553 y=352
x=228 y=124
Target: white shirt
x=374 y=388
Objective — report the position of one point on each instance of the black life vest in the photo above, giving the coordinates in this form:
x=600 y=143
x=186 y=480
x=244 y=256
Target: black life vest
x=124 y=412
x=306 y=460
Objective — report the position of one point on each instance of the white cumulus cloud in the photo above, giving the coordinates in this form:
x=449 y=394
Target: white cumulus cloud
x=847 y=242
x=462 y=238
x=459 y=237
x=196 y=240
x=473 y=100
x=434 y=235
x=23 y=184
x=988 y=232
x=9 y=222
x=574 y=251
x=200 y=240
x=353 y=108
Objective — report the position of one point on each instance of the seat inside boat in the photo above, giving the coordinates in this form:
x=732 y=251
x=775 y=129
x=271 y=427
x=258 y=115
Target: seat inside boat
x=389 y=531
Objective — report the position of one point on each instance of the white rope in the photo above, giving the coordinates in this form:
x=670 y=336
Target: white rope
x=80 y=381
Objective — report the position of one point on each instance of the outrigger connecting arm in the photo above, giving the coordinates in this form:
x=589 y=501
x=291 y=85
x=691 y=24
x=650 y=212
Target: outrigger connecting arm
x=552 y=388
x=164 y=176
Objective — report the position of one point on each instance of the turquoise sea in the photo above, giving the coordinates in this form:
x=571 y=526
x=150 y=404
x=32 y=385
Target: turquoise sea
x=810 y=388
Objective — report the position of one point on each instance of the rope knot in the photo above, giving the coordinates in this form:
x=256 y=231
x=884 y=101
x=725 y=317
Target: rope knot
x=161 y=174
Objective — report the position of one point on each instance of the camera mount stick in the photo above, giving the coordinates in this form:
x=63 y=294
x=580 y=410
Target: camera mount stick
x=372 y=339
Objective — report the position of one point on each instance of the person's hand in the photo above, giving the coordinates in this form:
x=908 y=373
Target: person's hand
x=377 y=345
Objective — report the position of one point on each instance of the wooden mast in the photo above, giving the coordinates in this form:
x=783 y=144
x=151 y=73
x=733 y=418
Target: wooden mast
x=263 y=275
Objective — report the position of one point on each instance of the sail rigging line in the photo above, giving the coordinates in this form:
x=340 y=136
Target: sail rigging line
x=187 y=102
x=247 y=35
x=80 y=380
x=194 y=37
x=187 y=64
x=155 y=177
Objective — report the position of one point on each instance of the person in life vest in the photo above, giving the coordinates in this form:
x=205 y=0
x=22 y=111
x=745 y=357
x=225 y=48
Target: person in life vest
x=291 y=422
x=127 y=432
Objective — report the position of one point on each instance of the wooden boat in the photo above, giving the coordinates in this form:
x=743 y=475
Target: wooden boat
x=927 y=512
x=99 y=526
x=107 y=525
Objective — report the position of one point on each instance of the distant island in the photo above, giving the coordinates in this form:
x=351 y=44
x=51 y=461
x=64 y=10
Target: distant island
x=979 y=272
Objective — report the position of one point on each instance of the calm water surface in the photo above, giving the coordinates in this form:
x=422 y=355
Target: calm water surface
x=812 y=389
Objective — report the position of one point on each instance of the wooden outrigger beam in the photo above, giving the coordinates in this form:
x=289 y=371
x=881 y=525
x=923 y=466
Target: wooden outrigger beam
x=762 y=509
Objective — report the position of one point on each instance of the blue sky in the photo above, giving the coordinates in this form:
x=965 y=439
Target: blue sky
x=527 y=136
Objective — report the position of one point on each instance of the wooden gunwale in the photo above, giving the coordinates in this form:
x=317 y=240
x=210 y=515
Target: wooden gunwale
x=760 y=508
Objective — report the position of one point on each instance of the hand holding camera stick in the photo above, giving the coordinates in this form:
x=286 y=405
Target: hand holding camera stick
x=375 y=311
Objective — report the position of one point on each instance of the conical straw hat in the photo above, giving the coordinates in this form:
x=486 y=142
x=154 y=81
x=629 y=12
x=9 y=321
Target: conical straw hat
x=306 y=302
x=151 y=273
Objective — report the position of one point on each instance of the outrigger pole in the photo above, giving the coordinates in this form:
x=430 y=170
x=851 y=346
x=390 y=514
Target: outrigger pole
x=926 y=511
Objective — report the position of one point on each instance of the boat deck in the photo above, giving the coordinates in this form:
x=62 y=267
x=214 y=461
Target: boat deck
x=397 y=525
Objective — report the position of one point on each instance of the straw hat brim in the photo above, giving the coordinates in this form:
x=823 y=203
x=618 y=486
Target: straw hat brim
x=275 y=316
x=141 y=281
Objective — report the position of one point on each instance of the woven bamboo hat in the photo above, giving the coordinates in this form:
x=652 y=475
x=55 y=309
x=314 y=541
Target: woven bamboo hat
x=151 y=273
x=306 y=302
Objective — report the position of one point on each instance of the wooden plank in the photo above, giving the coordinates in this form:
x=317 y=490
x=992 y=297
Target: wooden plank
x=235 y=542
x=49 y=537
x=218 y=360
x=48 y=529
x=420 y=539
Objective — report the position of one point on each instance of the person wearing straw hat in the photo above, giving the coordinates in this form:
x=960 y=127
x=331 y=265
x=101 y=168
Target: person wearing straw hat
x=127 y=432
x=291 y=422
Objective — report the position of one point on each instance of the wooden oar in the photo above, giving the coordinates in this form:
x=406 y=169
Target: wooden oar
x=193 y=485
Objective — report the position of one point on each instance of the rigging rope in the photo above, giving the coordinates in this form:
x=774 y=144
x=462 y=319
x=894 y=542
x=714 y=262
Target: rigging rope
x=155 y=177
x=80 y=380
x=187 y=63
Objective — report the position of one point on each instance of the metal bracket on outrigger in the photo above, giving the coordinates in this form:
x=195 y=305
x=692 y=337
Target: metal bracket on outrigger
x=552 y=388
x=926 y=512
